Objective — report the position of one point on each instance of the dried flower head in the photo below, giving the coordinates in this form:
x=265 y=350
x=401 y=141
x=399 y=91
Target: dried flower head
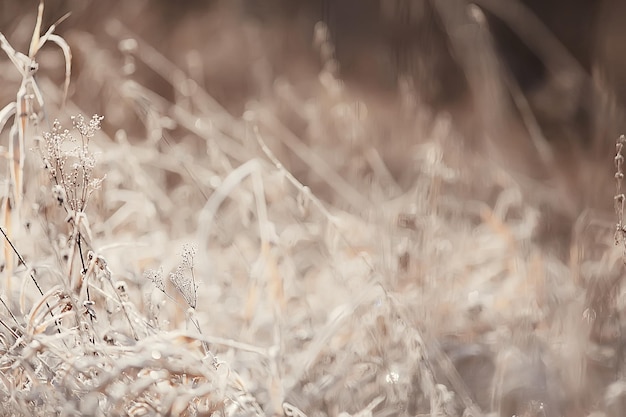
x=71 y=164
x=156 y=276
x=188 y=253
x=183 y=276
x=186 y=285
x=87 y=130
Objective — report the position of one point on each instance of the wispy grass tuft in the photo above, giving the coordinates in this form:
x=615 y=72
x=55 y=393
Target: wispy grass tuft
x=324 y=251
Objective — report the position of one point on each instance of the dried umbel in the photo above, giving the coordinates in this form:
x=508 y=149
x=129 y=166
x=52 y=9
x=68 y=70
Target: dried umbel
x=183 y=277
x=70 y=163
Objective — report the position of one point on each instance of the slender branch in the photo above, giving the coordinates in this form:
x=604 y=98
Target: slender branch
x=32 y=276
x=10 y=312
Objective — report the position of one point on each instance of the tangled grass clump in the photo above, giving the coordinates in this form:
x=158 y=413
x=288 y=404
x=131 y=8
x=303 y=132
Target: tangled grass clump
x=195 y=262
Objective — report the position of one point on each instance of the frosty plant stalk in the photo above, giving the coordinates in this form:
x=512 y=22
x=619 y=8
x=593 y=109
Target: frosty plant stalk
x=27 y=109
x=70 y=165
x=620 y=229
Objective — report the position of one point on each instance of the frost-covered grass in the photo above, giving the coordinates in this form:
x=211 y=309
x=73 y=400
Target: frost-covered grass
x=168 y=256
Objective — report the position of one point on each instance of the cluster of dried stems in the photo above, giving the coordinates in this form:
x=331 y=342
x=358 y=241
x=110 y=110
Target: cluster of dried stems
x=380 y=300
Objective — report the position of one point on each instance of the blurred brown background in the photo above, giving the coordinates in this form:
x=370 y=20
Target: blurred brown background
x=375 y=41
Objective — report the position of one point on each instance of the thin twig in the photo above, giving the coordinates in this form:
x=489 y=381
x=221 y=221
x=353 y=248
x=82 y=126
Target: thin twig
x=32 y=276
x=10 y=312
x=619 y=198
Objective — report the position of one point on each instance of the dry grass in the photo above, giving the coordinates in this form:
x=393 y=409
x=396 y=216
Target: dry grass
x=327 y=252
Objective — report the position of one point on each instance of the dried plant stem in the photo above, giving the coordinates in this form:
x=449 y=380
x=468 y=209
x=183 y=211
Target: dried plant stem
x=24 y=113
x=22 y=261
x=318 y=165
x=306 y=191
x=619 y=199
x=96 y=261
x=9 y=311
x=12 y=317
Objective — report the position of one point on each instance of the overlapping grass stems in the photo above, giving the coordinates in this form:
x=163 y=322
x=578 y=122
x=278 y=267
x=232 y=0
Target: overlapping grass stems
x=297 y=306
x=25 y=111
x=60 y=355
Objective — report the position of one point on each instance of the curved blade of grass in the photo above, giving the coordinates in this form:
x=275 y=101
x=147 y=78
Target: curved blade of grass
x=31 y=318
x=52 y=28
x=6 y=113
x=67 y=53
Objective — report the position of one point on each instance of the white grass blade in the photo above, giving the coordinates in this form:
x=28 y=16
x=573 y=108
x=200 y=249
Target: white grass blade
x=18 y=59
x=6 y=113
x=35 y=43
x=67 y=53
x=46 y=36
x=38 y=96
x=16 y=155
x=6 y=47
